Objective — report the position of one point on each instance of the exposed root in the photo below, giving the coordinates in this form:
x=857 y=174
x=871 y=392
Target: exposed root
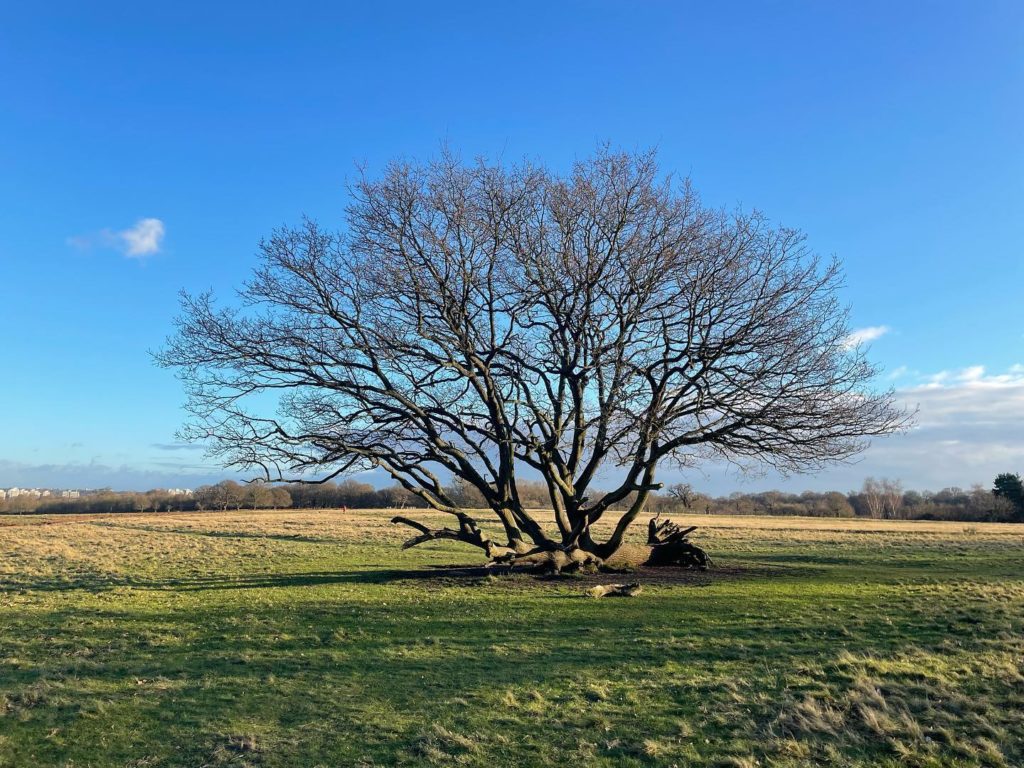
x=670 y=546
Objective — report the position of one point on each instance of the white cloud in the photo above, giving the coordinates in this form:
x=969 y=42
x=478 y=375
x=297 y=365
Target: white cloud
x=937 y=379
x=976 y=373
x=143 y=239
x=864 y=335
x=968 y=429
x=970 y=397
x=136 y=242
x=969 y=424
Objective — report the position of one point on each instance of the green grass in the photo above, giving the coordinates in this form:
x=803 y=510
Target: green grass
x=309 y=639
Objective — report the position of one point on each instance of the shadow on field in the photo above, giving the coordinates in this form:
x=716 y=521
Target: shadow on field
x=226 y=534
x=437 y=577
x=104 y=582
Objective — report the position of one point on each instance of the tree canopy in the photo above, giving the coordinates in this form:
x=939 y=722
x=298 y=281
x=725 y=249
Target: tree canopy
x=1010 y=487
x=481 y=321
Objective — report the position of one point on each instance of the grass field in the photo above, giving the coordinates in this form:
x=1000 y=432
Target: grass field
x=305 y=638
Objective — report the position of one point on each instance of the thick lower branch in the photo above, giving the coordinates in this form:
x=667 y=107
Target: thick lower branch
x=468 y=532
x=609 y=548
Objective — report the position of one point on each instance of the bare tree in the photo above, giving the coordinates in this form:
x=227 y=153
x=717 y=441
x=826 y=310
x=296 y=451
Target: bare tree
x=883 y=498
x=892 y=497
x=475 y=320
x=258 y=495
x=873 y=497
x=224 y=495
x=280 y=498
x=683 y=493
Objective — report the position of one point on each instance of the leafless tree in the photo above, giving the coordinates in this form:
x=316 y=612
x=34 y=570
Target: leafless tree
x=892 y=496
x=475 y=320
x=258 y=495
x=874 y=497
x=226 y=494
x=883 y=498
x=683 y=493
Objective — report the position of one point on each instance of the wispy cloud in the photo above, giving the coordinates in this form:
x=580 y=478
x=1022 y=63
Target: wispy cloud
x=95 y=474
x=176 y=446
x=142 y=239
x=899 y=373
x=969 y=426
x=864 y=335
x=973 y=378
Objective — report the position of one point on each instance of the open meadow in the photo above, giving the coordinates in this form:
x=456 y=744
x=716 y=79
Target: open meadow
x=308 y=638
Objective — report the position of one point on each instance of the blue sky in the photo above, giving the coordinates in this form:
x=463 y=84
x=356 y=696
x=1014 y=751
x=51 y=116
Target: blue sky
x=890 y=132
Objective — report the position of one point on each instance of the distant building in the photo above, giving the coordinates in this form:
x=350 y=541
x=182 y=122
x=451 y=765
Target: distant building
x=35 y=493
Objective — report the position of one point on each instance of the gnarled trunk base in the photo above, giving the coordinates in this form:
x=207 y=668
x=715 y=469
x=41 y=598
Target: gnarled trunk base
x=554 y=561
x=667 y=545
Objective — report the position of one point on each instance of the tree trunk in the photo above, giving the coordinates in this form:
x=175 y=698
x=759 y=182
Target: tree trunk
x=667 y=545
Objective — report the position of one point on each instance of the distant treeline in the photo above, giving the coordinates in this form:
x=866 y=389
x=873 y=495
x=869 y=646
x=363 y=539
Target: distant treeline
x=883 y=499
x=101 y=501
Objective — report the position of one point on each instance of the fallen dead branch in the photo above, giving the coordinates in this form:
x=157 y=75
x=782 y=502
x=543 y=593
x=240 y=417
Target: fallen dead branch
x=615 y=590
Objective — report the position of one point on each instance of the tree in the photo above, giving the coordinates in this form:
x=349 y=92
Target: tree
x=892 y=497
x=205 y=497
x=836 y=505
x=1010 y=488
x=883 y=498
x=396 y=497
x=464 y=495
x=912 y=500
x=225 y=494
x=475 y=320
x=873 y=494
x=683 y=493
x=258 y=495
x=280 y=498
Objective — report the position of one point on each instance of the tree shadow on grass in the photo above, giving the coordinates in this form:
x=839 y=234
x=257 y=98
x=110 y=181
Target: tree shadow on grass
x=227 y=534
x=103 y=582
x=429 y=577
